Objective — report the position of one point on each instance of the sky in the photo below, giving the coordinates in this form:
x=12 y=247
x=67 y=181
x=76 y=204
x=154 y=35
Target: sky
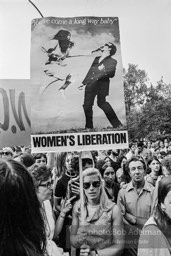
x=145 y=32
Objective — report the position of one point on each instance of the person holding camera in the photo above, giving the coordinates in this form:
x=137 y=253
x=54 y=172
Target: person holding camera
x=70 y=163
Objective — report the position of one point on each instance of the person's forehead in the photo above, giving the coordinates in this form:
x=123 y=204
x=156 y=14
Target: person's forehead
x=154 y=161
x=7 y=149
x=135 y=164
x=92 y=177
x=69 y=156
x=109 y=169
x=42 y=158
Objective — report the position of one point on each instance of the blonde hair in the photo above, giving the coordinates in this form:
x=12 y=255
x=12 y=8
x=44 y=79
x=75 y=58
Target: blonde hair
x=105 y=203
x=91 y=171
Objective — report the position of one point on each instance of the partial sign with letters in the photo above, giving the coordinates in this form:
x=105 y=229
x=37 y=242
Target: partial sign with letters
x=15 y=124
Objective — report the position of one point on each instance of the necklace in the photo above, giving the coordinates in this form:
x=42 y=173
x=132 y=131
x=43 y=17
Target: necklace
x=70 y=175
x=92 y=206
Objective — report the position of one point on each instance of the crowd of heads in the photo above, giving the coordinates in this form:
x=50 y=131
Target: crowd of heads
x=26 y=181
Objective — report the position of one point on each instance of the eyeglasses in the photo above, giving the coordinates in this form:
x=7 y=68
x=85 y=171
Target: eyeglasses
x=95 y=184
x=47 y=185
x=6 y=153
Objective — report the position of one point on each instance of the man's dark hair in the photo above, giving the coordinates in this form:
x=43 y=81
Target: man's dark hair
x=136 y=159
x=112 y=47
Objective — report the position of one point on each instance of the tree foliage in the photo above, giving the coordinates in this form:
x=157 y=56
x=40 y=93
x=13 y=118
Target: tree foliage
x=135 y=83
x=148 y=106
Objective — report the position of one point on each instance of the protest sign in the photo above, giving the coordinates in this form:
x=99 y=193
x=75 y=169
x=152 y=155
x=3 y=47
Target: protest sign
x=15 y=126
x=77 y=64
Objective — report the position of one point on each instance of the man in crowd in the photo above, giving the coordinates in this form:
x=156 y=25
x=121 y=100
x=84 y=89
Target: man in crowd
x=136 y=200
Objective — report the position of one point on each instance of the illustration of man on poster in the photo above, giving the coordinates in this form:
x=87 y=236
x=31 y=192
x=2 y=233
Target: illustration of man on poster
x=97 y=83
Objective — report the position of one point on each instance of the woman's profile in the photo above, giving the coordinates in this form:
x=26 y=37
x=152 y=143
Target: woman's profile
x=155 y=239
x=22 y=229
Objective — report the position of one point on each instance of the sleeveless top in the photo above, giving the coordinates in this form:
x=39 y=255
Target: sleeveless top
x=98 y=226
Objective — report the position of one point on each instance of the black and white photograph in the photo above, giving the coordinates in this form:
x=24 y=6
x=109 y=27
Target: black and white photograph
x=85 y=128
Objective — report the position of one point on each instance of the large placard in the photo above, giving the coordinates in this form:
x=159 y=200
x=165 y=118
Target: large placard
x=77 y=64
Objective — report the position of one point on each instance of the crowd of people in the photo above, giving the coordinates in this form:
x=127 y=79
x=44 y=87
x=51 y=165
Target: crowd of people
x=125 y=209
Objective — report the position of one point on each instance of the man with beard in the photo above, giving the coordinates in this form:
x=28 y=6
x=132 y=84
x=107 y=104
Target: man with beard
x=136 y=200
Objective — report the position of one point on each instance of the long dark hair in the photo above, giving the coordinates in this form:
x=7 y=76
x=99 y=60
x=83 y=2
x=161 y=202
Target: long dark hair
x=63 y=37
x=126 y=173
x=61 y=163
x=161 y=218
x=22 y=229
x=150 y=161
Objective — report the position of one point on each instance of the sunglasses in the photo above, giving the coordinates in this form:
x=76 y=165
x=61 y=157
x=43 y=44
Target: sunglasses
x=6 y=153
x=47 y=185
x=95 y=184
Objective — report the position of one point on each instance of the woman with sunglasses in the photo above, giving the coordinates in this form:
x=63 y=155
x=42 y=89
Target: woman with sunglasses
x=101 y=233
x=42 y=177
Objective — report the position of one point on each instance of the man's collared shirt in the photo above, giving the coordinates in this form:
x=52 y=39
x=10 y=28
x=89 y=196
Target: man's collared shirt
x=139 y=205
